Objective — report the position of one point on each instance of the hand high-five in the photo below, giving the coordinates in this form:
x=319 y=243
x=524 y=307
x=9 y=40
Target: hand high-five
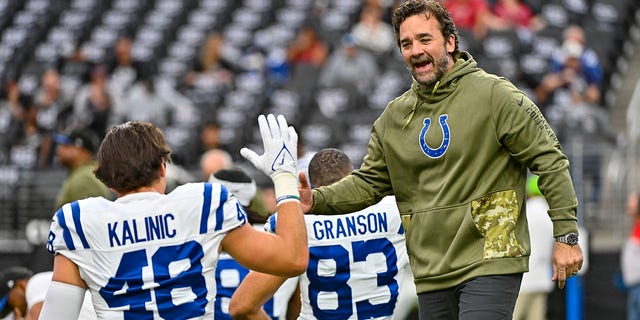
x=280 y=158
x=280 y=147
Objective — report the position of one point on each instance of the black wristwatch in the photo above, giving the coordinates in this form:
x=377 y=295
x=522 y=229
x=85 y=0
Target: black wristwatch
x=569 y=238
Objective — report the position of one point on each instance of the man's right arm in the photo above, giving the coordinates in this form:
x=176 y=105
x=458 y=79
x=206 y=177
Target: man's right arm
x=363 y=187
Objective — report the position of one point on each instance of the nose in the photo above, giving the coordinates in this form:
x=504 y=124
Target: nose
x=416 y=49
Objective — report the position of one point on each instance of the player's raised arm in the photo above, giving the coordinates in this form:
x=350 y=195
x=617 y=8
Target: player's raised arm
x=286 y=252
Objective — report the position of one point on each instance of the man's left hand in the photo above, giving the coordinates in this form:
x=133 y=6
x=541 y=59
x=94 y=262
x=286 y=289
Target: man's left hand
x=567 y=261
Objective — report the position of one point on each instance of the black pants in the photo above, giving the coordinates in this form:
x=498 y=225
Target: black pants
x=487 y=297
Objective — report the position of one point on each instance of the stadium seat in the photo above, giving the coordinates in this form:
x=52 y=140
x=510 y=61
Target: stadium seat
x=501 y=44
x=610 y=11
x=285 y=102
x=555 y=15
x=546 y=41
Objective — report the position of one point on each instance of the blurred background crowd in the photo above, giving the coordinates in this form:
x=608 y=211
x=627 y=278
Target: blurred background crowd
x=203 y=70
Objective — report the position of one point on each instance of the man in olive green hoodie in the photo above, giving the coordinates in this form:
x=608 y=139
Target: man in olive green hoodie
x=455 y=149
x=76 y=151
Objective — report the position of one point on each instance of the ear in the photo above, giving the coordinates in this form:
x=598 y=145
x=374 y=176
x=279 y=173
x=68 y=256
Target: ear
x=451 y=43
x=163 y=169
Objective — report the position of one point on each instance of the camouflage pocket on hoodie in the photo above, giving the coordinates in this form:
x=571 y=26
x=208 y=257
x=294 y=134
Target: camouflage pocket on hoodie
x=495 y=217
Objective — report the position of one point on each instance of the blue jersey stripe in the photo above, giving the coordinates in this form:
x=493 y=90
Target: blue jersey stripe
x=224 y=194
x=75 y=213
x=206 y=208
x=273 y=219
x=66 y=235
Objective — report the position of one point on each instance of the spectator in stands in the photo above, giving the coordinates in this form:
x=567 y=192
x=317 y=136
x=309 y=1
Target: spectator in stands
x=11 y=115
x=535 y=287
x=54 y=107
x=373 y=33
x=572 y=107
x=209 y=136
x=307 y=48
x=306 y=55
x=350 y=66
x=630 y=258
x=123 y=68
x=74 y=62
x=123 y=71
x=213 y=72
x=92 y=103
x=142 y=102
x=573 y=61
x=213 y=160
x=472 y=15
x=76 y=151
x=29 y=143
x=516 y=14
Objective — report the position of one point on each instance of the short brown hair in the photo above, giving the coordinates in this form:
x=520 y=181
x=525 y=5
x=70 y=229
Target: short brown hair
x=328 y=166
x=411 y=8
x=130 y=156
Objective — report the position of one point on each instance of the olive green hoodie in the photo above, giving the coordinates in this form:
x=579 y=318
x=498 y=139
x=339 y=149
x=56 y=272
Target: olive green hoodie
x=456 y=156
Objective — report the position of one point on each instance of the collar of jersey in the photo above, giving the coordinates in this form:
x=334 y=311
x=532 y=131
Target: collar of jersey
x=138 y=196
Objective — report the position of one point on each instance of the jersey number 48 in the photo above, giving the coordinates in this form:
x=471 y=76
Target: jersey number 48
x=178 y=287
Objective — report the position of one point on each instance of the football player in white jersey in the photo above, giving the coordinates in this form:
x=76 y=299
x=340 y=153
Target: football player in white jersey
x=229 y=273
x=356 y=260
x=151 y=255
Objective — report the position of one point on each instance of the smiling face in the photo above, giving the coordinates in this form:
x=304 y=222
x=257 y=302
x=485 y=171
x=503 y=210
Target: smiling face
x=424 y=49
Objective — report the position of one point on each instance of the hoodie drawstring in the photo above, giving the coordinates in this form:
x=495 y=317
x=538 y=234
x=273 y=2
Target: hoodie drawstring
x=435 y=87
x=415 y=105
x=410 y=115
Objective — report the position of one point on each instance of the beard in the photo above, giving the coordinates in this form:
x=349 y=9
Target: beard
x=440 y=67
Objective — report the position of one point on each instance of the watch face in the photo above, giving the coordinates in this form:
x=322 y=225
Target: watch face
x=572 y=238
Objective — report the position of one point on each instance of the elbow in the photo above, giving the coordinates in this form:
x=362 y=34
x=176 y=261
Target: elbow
x=299 y=265
x=241 y=310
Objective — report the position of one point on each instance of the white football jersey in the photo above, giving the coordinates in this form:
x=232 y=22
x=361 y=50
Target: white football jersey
x=148 y=255
x=356 y=263
x=229 y=274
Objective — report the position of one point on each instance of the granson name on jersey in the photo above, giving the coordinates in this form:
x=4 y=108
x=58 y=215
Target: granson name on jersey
x=351 y=225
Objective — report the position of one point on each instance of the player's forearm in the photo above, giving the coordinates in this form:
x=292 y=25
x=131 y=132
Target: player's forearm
x=252 y=293
x=294 y=252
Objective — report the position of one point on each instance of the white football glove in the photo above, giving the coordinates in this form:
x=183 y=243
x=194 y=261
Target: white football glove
x=280 y=157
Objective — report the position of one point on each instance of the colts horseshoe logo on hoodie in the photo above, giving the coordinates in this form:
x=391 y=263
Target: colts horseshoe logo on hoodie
x=446 y=137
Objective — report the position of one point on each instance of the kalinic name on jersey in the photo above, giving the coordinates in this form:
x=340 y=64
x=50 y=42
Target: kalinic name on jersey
x=135 y=230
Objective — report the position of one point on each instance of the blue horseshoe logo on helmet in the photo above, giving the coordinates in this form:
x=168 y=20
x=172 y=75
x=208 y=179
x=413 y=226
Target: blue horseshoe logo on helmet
x=446 y=137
